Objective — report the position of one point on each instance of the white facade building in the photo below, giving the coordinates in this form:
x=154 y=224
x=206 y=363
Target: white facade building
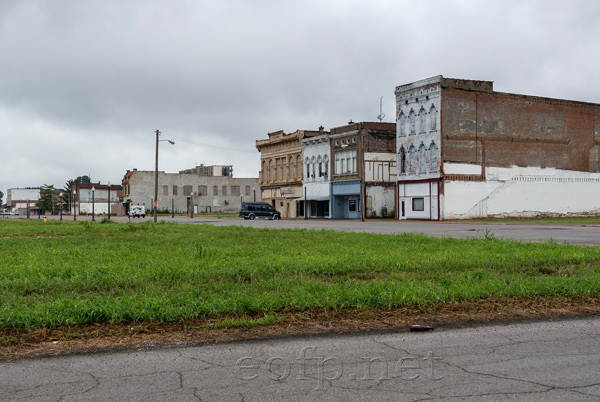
x=316 y=177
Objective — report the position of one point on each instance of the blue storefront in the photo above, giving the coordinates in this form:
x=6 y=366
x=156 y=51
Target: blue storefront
x=346 y=200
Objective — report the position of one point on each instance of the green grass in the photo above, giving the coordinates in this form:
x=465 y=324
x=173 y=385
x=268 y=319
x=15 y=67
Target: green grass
x=68 y=273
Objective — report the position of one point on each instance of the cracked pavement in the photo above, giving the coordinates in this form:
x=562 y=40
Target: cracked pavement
x=536 y=360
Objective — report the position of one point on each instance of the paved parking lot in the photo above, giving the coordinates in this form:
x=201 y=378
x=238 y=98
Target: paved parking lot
x=573 y=233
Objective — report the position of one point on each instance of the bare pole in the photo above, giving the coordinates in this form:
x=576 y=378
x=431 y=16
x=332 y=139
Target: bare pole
x=156 y=179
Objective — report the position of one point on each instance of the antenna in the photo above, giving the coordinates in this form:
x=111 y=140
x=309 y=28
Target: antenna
x=381 y=114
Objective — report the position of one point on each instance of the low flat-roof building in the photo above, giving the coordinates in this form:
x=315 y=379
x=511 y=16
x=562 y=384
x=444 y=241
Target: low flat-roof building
x=186 y=192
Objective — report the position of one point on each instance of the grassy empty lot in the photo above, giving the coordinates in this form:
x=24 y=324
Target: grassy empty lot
x=59 y=274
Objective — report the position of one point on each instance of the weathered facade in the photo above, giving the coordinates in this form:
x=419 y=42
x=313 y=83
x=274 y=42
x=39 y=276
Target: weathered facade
x=281 y=171
x=19 y=199
x=186 y=192
x=88 y=197
x=317 y=172
x=363 y=170
x=466 y=151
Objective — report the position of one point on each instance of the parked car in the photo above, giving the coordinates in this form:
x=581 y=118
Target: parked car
x=252 y=210
x=137 y=211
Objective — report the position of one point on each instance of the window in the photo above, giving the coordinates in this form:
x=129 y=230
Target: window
x=418 y=204
x=247 y=190
x=235 y=190
x=187 y=190
x=433 y=157
x=423 y=159
x=165 y=190
x=351 y=205
x=202 y=191
x=215 y=190
x=224 y=190
x=174 y=190
x=402 y=160
x=345 y=162
x=402 y=124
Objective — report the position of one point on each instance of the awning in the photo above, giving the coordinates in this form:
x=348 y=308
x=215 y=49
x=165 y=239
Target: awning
x=313 y=198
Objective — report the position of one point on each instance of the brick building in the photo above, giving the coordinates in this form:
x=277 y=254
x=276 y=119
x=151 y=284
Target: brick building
x=466 y=151
x=281 y=171
x=363 y=170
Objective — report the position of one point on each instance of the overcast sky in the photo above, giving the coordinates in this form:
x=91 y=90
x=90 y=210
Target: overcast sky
x=85 y=84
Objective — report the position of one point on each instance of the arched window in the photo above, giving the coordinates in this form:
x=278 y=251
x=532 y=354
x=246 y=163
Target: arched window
x=298 y=166
x=402 y=124
x=433 y=152
x=291 y=168
x=265 y=171
x=412 y=159
x=307 y=170
x=432 y=118
x=422 y=115
x=402 y=160
x=313 y=162
x=325 y=166
x=411 y=119
x=422 y=159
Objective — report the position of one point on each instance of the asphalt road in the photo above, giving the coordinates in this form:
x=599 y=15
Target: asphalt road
x=533 y=361
x=574 y=233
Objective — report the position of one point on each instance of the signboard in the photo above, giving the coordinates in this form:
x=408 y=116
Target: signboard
x=155 y=203
x=286 y=190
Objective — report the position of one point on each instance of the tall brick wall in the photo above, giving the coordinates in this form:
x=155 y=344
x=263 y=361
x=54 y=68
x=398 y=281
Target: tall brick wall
x=500 y=129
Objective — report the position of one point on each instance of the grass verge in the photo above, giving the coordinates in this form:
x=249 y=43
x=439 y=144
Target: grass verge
x=68 y=274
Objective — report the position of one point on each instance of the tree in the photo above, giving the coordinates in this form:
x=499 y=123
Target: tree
x=1 y=196
x=66 y=197
x=83 y=179
x=47 y=200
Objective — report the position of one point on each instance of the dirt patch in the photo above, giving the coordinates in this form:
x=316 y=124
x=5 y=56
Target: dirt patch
x=103 y=337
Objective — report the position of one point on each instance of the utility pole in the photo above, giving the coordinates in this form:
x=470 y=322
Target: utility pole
x=155 y=179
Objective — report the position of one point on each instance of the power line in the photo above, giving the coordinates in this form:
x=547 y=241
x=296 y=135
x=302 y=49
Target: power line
x=187 y=140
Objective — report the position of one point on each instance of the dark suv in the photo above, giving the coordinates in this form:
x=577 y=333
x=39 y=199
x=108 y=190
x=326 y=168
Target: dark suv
x=252 y=210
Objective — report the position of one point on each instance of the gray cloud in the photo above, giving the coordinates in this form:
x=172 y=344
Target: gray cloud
x=83 y=85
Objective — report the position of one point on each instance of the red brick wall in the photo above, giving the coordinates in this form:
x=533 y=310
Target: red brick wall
x=500 y=129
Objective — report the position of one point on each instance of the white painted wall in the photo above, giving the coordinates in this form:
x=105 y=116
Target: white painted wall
x=313 y=150
x=420 y=97
x=379 y=197
x=461 y=168
x=380 y=166
x=523 y=191
x=428 y=191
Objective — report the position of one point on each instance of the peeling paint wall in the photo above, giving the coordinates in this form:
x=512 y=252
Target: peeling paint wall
x=380 y=201
x=522 y=192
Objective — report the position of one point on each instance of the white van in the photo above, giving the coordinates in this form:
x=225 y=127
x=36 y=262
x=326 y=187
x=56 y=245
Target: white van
x=137 y=210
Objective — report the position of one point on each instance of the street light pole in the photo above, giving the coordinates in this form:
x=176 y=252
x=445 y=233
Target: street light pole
x=172 y=206
x=74 y=206
x=108 y=184
x=254 y=189
x=93 y=202
x=155 y=202
x=28 y=208
x=61 y=206
x=155 y=178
